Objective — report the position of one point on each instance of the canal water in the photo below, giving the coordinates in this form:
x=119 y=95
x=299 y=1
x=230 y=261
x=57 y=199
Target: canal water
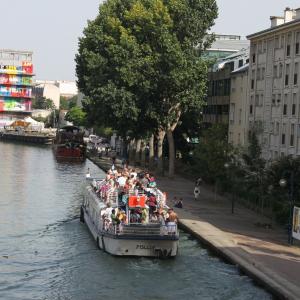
x=46 y=253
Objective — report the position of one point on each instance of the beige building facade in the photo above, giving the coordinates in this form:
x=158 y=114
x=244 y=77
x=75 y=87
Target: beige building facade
x=273 y=100
x=238 y=110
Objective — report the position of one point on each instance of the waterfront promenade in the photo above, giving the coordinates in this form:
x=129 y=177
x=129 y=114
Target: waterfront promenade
x=259 y=251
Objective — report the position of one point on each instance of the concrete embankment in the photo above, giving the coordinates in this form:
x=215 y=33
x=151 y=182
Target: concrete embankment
x=245 y=239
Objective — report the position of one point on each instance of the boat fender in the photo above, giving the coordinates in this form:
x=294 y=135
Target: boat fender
x=81 y=215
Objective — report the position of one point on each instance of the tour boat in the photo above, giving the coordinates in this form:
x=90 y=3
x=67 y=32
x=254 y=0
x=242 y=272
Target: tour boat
x=132 y=238
x=69 y=144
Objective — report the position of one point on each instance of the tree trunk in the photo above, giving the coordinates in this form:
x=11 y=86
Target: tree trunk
x=138 y=151
x=151 y=152
x=160 y=141
x=171 y=153
x=143 y=154
x=132 y=152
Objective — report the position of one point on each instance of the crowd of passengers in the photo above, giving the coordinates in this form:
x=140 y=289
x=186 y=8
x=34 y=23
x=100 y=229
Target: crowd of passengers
x=128 y=182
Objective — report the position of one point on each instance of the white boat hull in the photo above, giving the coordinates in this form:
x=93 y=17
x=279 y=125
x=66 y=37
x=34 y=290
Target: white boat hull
x=160 y=246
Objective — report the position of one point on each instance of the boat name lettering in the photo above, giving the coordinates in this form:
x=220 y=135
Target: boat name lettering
x=145 y=246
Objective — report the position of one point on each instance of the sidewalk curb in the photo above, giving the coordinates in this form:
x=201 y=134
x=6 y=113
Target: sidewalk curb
x=245 y=267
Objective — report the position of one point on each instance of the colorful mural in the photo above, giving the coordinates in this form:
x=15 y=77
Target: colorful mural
x=16 y=87
x=7 y=79
x=12 y=104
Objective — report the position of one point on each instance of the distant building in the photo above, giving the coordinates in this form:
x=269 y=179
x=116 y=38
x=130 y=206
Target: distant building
x=49 y=91
x=67 y=89
x=219 y=87
x=274 y=87
x=225 y=45
x=239 y=110
x=16 y=77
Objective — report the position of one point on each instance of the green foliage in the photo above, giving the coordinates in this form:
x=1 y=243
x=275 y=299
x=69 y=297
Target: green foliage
x=137 y=62
x=42 y=103
x=72 y=102
x=283 y=169
x=77 y=116
x=63 y=103
x=189 y=127
x=212 y=153
x=103 y=131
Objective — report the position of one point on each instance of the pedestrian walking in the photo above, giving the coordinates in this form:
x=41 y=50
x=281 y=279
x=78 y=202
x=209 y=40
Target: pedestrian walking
x=197 y=188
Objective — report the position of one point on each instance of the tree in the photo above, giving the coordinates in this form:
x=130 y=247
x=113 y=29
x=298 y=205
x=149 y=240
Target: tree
x=212 y=153
x=282 y=169
x=77 y=116
x=42 y=103
x=63 y=103
x=139 y=68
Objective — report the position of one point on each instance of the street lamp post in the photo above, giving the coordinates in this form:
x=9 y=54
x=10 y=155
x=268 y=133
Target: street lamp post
x=227 y=166
x=290 y=183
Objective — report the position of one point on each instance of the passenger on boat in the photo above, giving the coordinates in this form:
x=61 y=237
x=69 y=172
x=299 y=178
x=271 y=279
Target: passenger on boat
x=179 y=203
x=145 y=180
x=121 y=180
x=172 y=221
x=114 y=218
x=133 y=174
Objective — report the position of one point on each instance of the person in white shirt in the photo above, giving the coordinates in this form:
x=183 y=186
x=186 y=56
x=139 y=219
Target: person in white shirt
x=134 y=174
x=121 y=180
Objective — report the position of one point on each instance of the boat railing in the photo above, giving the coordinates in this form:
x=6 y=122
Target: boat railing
x=142 y=230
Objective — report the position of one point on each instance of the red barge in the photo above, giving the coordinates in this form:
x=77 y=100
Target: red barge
x=69 y=144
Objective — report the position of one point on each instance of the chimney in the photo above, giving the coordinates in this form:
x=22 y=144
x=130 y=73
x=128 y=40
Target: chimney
x=276 y=21
x=289 y=15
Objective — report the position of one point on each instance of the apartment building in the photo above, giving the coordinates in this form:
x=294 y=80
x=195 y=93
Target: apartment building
x=273 y=101
x=238 y=127
x=16 y=81
x=219 y=87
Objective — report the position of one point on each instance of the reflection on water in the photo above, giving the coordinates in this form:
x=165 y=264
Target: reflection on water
x=46 y=253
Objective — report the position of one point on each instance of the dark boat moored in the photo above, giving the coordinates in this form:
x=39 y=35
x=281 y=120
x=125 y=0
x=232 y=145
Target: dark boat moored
x=69 y=144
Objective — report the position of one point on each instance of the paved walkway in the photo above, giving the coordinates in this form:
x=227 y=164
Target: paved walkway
x=260 y=252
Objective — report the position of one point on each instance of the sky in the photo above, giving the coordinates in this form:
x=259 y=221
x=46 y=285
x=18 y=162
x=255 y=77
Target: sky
x=51 y=28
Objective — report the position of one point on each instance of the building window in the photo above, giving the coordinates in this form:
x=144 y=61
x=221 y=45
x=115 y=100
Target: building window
x=284 y=109
x=283 y=139
x=286 y=81
x=292 y=135
x=296 y=74
x=288 y=50
x=252 y=84
x=253 y=58
x=294 y=104
x=288 y=45
x=293 y=109
x=240 y=63
x=287 y=72
x=251 y=109
x=297 y=43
